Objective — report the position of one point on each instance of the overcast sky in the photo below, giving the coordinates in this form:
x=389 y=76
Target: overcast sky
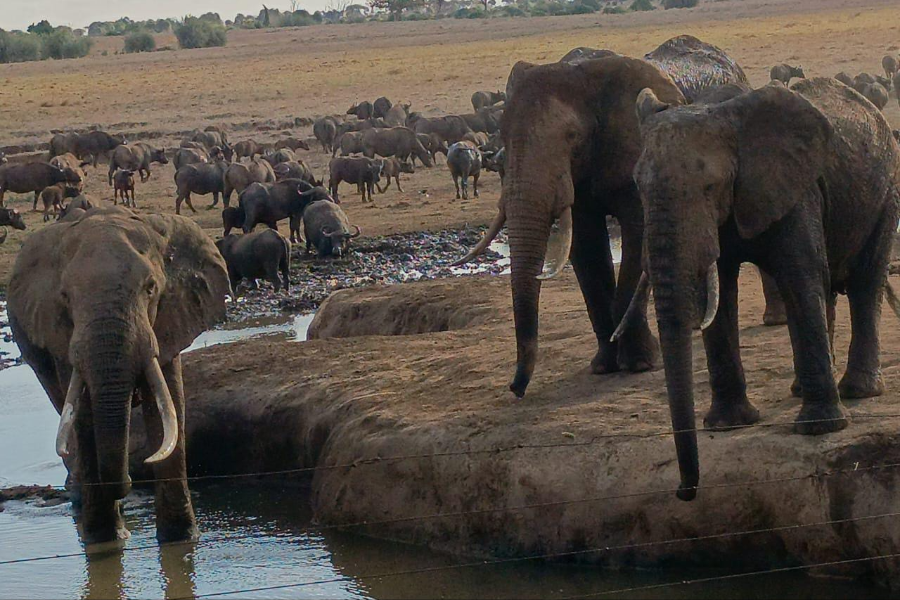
x=19 y=14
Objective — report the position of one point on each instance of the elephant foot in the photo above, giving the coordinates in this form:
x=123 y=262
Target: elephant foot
x=820 y=418
x=604 y=361
x=638 y=353
x=184 y=530
x=731 y=415
x=859 y=384
x=796 y=388
x=101 y=524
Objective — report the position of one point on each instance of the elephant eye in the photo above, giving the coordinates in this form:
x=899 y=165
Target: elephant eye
x=151 y=287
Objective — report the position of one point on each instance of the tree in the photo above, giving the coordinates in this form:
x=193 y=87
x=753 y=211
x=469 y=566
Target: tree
x=43 y=27
x=395 y=7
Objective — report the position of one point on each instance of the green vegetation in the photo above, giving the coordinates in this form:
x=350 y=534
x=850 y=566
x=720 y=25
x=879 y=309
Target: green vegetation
x=140 y=41
x=201 y=32
x=642 y=5
x=41 y=42
x=667 y=4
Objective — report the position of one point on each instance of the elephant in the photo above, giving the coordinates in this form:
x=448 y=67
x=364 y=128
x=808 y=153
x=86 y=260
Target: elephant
x=571 y=141
x=785 y=72
x=803 y=182
x=101 y=309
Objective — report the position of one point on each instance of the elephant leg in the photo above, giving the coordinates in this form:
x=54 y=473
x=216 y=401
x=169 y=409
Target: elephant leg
x=730 y=406
x=830 y=304
x=100 y=517
x=175 y=519
x=775 y=312
x=865 y=289
x=638 y=349
x=794 y=251
x=592 y=261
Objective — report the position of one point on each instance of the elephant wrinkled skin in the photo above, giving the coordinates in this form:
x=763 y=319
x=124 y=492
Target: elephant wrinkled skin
x=101 y=308
x=805 y=183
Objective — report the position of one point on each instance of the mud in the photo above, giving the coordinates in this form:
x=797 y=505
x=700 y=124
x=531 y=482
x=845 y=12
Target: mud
x=582 y=463
x=390 y=259
x=45 y=494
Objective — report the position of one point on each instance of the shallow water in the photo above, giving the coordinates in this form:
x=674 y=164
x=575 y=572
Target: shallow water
x=259 y=535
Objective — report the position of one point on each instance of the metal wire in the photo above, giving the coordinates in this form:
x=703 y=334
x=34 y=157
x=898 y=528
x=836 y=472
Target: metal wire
x=457 y=514
x=504 y=561
x=594 y=440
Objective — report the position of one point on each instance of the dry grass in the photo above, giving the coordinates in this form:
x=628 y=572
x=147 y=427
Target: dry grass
x=275 y=75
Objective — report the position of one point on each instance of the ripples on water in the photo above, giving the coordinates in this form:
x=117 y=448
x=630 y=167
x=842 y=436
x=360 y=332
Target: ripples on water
x=280 y=549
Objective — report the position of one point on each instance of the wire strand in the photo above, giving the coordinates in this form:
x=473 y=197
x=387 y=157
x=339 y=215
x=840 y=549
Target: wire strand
x=504 y=561
x=594 y=440
x=457 y=514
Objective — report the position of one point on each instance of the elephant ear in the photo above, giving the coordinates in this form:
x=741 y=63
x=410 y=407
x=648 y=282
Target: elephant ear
x=196 y=284
x=515 y=75
x=34 y=300
x=782 y=145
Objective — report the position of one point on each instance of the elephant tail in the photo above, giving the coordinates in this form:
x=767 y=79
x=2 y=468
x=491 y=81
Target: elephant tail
x=892 y=298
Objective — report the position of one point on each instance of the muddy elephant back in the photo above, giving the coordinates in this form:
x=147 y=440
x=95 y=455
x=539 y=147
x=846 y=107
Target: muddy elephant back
x=695 y=66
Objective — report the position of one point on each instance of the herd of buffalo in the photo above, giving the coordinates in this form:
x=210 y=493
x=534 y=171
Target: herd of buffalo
x=702 y=172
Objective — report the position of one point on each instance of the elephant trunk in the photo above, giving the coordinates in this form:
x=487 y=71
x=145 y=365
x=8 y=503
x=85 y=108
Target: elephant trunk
x=528 y=228
x=673 y=279
x=110 y=375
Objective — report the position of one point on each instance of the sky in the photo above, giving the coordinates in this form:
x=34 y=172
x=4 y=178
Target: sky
x=19 y=14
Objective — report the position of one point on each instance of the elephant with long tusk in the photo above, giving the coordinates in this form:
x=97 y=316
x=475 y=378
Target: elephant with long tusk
x=571 y=140
x=101 y=307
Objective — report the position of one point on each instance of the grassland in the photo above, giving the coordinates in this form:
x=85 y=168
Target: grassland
x=263 y=78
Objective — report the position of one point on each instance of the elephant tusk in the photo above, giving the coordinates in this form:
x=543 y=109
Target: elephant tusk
x=489 y=235
x=640 y=293
x=67 y=416
x=166 y=407
x=559 y=248
x=712 y=296
x=892 y=299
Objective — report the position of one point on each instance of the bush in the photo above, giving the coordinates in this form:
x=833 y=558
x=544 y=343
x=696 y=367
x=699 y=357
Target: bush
x=642 y=5
x=582 y=9
x=196 y=33
x=19 y=47
x=511 y=11
x=614 y=10
x=142 y=41
x=667 y=4
x=63 y=43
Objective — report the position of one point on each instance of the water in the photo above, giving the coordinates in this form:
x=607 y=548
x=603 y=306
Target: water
x=260 y=535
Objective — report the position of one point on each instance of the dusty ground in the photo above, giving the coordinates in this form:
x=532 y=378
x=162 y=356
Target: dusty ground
x=267 y=404
x=265 y=78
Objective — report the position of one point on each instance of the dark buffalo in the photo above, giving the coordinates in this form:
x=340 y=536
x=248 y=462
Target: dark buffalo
x=136 y=157
x=257 y=255
x=270 y=203
x=33 y=177
x=327 y=229
x=364 y=172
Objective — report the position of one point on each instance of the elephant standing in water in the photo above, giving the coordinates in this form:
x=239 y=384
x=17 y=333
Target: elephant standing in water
x=806 y=185
x=572 y=139
x=101 y=309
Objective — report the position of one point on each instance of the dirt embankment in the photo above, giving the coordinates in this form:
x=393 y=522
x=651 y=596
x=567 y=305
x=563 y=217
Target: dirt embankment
x=597 y=469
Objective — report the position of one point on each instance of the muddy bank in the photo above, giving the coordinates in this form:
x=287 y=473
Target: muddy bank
x=576 y=485
x=392 y=259
x=47 y=495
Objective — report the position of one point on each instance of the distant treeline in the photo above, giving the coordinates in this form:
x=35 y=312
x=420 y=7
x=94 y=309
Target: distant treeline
x=43 y=41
